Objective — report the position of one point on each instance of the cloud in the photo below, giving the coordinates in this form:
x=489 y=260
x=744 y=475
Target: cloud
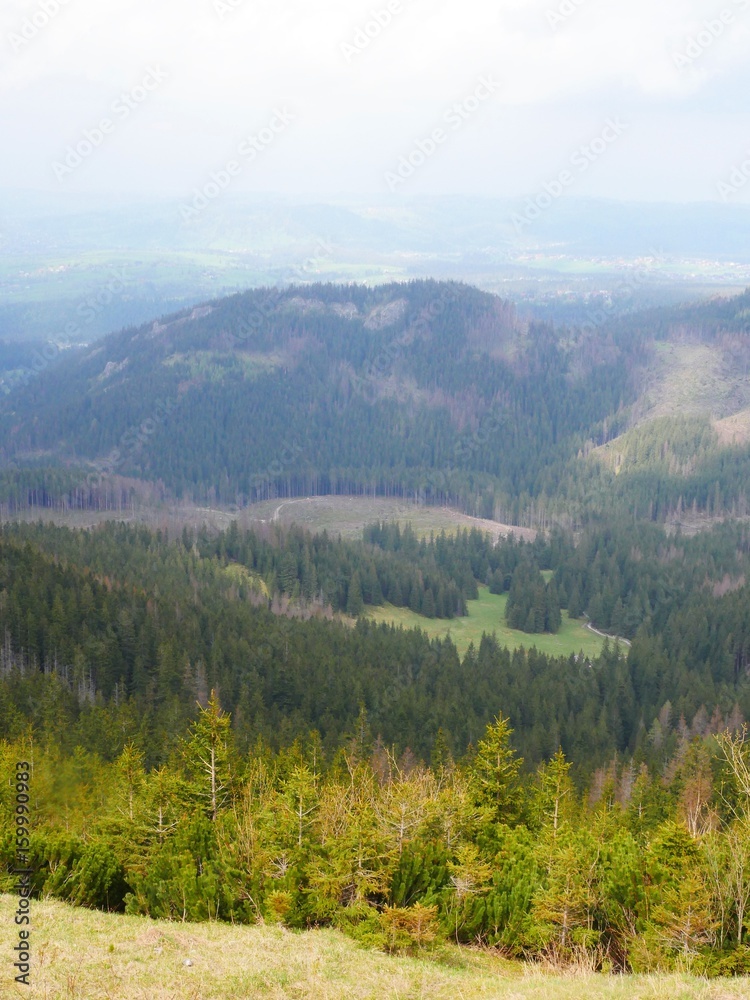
x=564 y=65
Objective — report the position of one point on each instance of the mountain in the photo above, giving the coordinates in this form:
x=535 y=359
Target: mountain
x=428 y=389
x=426 y=386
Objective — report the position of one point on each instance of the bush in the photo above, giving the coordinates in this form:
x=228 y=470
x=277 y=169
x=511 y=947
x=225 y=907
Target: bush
x=361 y=921
x=724 y=963
x=409 y=928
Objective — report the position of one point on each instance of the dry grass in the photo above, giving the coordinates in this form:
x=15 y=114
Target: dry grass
x=693 y=379
x=337 y=514
x=734 y=429
x=349 y=515
x=84 y=955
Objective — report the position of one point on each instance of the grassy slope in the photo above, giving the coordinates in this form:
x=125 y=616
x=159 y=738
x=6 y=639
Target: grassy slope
x=347 y=516
x=488 y=615
x=80 y=954
x=690 y=379
x=339 y=515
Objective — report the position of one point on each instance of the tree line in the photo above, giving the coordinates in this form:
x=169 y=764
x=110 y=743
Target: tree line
x=641 y=869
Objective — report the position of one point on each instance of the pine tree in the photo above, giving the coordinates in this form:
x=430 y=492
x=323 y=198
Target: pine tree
x=354 y=599
x=554 y=796
x=209 y=755
x=574 y=604
x=495 y=771
x=553 y=616
x=131 y=776
x=617 y=619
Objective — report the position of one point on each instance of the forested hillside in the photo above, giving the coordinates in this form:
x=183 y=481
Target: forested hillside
x=114 y=634
x=426 y=389
x=206 y=741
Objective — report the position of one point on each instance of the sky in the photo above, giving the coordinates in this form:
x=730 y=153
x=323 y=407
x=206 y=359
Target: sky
x=626 y=99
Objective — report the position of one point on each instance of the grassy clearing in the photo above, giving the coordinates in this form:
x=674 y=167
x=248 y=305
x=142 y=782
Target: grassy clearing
x=349 y=515
x=346 y=516
x=488 y=615
x=215 y=365
x=81 y=954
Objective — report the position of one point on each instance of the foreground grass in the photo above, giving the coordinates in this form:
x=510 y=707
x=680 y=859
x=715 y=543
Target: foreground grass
x=488 y=615
x=85 y=955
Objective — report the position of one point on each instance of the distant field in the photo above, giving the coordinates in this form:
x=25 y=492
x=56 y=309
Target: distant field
x=348 y=516
x=81 y=954
x=488 y=615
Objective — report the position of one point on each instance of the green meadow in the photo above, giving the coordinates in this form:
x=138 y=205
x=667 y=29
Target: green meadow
x=488 y=615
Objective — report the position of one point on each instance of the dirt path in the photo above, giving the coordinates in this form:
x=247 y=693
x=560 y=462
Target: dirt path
x=604 y=635
x=278 y=510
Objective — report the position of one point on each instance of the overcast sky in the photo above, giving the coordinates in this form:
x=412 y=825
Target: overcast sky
x=512 y=89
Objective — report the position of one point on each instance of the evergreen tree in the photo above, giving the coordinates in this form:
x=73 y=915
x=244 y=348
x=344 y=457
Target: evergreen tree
x=354 y=600
x=495 y=773
x=209 y=756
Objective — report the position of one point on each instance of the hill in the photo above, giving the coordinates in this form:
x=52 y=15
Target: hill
x=429 y=389
x=433 y=391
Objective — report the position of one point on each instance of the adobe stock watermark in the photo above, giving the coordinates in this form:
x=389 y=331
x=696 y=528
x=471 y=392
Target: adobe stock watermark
x=710 y=31
x=261 y=314
x=301 y=271
x=465 y=449
x=248 y=150
x=261 y=483
x=223 y=8
x=380 y=18
x=563 y=12
x=738 y=178
x=121 y=109
x=23 y=870
x=456 y=117
x=88 y=310
x=291 y=451
x=35 y=23
x=582 y=158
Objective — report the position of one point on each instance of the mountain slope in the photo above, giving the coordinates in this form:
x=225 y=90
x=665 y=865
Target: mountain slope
x=425 y=387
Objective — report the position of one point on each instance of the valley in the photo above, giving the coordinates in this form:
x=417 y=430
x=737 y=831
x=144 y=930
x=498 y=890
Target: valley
x=307 y=597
